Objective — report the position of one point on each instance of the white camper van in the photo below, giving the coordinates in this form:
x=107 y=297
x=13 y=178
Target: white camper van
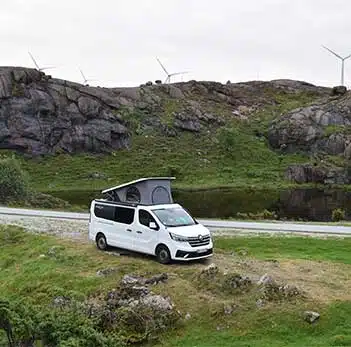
x=141 y=216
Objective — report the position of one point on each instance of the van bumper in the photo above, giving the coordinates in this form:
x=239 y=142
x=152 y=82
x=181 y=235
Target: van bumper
x=184 y=255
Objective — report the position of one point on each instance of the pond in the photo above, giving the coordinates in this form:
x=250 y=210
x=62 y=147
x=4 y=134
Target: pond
x=295 y=204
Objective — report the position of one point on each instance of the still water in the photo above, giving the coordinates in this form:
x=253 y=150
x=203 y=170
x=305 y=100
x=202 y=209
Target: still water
x=304 y=204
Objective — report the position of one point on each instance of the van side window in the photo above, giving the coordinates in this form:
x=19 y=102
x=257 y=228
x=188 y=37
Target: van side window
x=124 y=215
x=145 y=218
x=104 y=211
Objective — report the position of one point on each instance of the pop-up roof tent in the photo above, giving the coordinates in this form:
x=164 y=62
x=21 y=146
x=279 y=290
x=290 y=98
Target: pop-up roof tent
x=145 y=191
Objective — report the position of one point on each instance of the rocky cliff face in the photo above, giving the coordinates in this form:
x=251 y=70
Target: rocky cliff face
x=324 y=128
x=43 y=115
x=40 y=115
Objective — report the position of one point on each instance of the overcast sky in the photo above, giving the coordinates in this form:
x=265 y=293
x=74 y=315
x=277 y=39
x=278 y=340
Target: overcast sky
x=116 y=42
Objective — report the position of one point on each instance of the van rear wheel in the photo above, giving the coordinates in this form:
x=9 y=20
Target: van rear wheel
x=101 y=242
x=163 y=254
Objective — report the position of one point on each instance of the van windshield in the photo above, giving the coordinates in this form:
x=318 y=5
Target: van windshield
x=174 y=217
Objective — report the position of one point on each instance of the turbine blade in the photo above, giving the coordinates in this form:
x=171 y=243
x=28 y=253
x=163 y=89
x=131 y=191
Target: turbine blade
x=164 y=69
x=332 y=52
x=179 y=73
x=35 y=63
x=82 y=75
x=48 y=68
x=349 y=56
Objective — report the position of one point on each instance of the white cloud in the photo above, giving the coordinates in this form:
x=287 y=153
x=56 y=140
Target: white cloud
x=116 y=42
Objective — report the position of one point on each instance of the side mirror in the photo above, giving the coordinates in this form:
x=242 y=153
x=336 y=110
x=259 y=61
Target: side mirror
x=152 y=225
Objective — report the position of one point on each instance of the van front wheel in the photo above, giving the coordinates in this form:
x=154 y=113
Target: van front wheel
x=101 y=242
x=163 y=255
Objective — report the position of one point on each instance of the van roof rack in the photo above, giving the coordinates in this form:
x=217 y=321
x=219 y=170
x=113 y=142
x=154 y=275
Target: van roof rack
x=145 y=191
x=130 y=204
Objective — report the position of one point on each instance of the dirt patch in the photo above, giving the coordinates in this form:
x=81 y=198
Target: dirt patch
x=321 y=281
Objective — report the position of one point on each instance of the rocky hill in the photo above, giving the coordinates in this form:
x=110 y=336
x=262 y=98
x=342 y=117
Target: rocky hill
x=44 y=115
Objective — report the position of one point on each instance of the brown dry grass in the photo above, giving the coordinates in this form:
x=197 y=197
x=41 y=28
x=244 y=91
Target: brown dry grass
x=321 y=281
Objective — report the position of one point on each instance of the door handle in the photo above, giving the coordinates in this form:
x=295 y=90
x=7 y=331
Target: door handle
x=139 y=232
x=130 y=230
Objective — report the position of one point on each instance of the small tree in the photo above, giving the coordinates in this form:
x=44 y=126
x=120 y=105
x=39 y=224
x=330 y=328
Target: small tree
x=13 y=180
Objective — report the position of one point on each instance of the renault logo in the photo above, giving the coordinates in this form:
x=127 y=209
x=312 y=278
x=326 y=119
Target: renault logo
x=200 y=237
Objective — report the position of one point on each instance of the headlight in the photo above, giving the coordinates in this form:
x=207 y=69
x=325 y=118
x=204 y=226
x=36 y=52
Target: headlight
x=178 y=238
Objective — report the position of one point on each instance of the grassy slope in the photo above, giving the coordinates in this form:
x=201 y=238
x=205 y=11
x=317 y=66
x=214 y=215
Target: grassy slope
x=196 y=160
x=27 y=274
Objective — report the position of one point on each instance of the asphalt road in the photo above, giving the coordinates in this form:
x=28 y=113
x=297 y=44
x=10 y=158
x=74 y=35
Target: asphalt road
x=268 y=227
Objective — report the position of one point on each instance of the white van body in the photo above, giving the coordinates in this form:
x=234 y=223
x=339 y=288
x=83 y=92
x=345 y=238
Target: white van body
x=165 y=230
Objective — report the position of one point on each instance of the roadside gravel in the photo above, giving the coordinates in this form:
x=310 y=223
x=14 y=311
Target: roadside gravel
x=63 y=228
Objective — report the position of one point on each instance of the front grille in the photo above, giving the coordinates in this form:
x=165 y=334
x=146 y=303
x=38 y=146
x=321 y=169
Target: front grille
x=191 y=255
x=197 y=242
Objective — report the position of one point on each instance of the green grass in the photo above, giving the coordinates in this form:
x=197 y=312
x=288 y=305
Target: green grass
x=309 y=248
x=267 y=328
x=29 y=272
x=195 y=161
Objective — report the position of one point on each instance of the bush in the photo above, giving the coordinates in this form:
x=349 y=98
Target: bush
x=338 y=215
x=229 y=139
x=13 y=181
x=172 y=171
x=41 y=200
x=265 y=214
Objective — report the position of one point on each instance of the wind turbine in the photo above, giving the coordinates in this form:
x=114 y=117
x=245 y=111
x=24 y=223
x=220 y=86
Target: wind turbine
x=84 y=79
x=169 y=75
x=342 y=62
x=37 y=66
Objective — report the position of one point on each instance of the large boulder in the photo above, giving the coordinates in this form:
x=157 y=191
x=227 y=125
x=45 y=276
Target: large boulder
x=323 y=127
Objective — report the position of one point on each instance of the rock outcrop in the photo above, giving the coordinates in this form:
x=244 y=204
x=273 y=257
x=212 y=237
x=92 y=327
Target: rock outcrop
x=307 y=173
x=41 y=115
x=44 y=115
x=319 y=128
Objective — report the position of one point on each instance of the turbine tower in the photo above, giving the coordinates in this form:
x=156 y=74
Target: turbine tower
x=342 y=62
x=169 y=75
x=37 y=66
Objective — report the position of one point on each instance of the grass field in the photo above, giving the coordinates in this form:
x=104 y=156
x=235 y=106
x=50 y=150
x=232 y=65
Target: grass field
x=197 y=162
x=37 y=268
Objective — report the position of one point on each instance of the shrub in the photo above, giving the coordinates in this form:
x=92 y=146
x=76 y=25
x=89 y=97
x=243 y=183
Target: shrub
x=338 y=215
x=242 y=215
x=229 y=139
x=172 y=171
x=13 y=180
x=11 y=235
x=269 y=215
x=265 y=214
x=41 y=200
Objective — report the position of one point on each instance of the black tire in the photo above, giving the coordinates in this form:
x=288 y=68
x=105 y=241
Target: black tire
x=101 y=242
x=163 y=254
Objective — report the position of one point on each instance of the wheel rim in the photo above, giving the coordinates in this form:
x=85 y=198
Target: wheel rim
x=101 y=242
x=163 y=254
